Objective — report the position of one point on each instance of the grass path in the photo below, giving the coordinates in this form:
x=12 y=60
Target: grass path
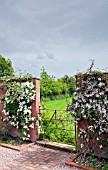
x=57 y=104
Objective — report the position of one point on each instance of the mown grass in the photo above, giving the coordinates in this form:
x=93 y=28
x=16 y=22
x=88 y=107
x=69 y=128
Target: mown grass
x=57 y=104
x=63 y=128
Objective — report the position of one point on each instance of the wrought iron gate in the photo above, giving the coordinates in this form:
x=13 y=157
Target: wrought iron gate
x=58 y=125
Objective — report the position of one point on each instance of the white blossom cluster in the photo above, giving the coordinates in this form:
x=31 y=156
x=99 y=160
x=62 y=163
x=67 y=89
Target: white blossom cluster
x=90 y=103
x=17 y=105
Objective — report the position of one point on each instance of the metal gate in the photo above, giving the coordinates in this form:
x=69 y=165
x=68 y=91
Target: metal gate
x=58 y=126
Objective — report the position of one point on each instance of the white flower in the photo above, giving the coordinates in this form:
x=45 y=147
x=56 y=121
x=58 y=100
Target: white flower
x=20 y=109
x=30 y=107
x=82 y=145
x=87 y=139
x=76 y=97
x=90 y=100
x=23 y=103
x=31 y=125
x=13 y=124
x=97 y=139
x=94 y=101
x=32 y=98
x=25 y=127
x=91 y=128
x=88 y=105
x=23 y=138
x=24 y=133
x=32 y=118
x=83 y=100
x=27 y=111
x=84 y=116
x=104 y=110
x=100 y=146
x=4 y=111
x=26 y=119
x=4 y=119
x=27 y=83
x=99 y=79
x=27 y=91
x=78 y=88
x=101 y=93
x=100 y=84
x=97 y=95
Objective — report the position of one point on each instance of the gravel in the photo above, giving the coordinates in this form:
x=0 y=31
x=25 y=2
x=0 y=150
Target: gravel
x=7 y=155
x=63 y=167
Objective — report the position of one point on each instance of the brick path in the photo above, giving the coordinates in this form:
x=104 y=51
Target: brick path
x=37 y=158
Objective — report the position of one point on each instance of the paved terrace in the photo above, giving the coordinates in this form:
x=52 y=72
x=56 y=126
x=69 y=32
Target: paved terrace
x=35 y=158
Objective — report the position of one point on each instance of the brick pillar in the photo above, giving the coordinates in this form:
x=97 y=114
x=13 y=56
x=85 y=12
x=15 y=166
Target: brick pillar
x=35 y=110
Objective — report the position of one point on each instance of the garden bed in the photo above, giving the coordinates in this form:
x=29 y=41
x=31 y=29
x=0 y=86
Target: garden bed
x=15 y=143
x=88 y=162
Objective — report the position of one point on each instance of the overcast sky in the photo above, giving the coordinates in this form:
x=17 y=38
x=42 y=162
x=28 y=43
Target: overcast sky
x=61 y=35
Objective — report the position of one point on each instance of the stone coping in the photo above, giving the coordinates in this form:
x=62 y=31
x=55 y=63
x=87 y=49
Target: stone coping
x=61 y=146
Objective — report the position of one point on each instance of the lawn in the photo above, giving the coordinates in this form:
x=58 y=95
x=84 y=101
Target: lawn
x=57 y=104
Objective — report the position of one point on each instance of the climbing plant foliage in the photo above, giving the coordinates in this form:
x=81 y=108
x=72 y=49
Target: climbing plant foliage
x=17 y=106
x=90 y=103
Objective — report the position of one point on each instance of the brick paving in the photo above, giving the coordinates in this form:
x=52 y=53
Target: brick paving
x=39 y=158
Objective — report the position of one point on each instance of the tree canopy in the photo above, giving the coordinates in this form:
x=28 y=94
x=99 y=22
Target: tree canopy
x=52 y=87
x=6 y=69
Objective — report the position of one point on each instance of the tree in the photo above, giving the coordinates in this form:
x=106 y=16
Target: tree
x=6 y=69
x=46 y=82
x=71 y=84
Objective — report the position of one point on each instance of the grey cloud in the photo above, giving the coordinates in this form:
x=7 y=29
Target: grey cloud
x=45 y=56
x=41 y=57
x=51 y=57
